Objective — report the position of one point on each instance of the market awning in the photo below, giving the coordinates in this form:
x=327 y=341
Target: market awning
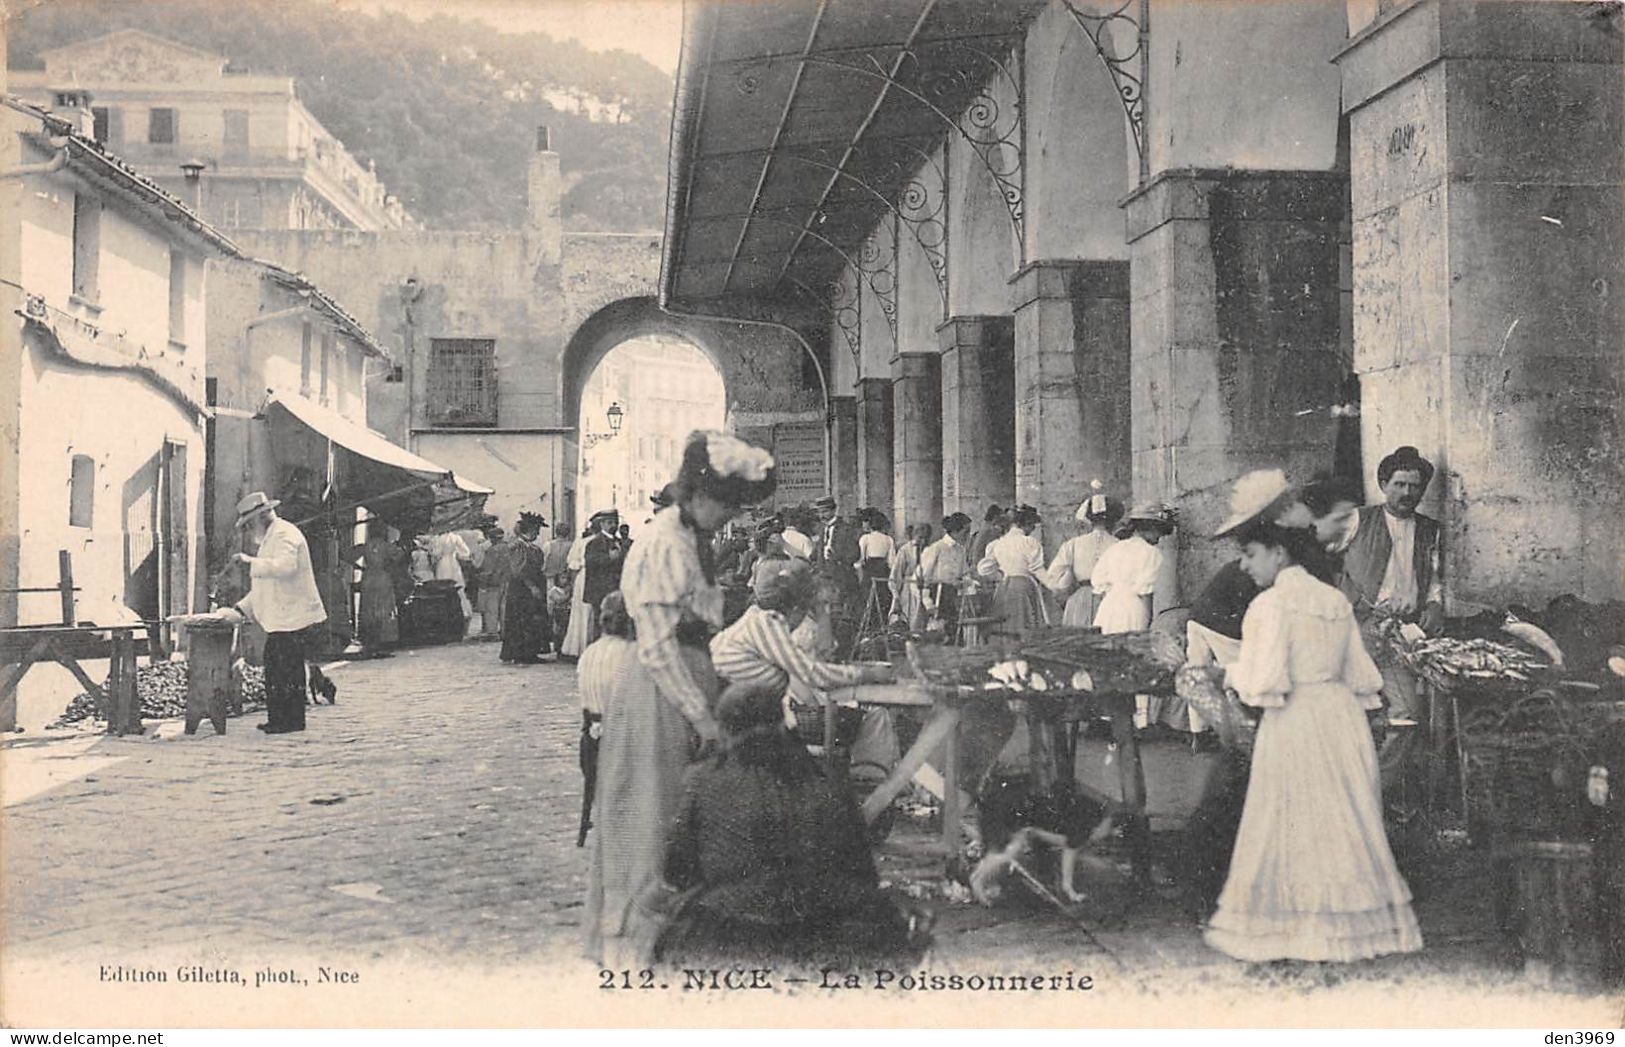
x=367 y=470
x=800 y=124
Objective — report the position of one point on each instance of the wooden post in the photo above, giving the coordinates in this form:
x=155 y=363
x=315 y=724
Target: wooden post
x=952 y=815
x=1131 y=777
x=64 y=560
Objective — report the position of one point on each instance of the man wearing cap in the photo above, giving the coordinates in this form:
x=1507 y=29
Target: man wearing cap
x=604 y=556
x=1393 y=569
x=284 y=601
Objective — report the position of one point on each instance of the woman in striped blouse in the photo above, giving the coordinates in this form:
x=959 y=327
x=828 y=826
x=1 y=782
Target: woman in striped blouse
x=758 y=650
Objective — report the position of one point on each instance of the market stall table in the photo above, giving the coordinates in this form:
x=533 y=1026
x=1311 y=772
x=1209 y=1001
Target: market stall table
x=1107 y=693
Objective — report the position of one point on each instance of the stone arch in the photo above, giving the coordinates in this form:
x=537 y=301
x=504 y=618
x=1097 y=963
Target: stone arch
x=761 y=364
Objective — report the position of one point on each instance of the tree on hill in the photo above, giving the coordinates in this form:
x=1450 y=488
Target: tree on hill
x=445 y=108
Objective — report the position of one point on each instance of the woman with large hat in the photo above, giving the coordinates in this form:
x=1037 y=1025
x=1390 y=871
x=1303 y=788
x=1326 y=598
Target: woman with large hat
x=1311 y=876
x=658 y=714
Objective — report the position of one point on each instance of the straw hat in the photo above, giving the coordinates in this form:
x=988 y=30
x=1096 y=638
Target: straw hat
x=1153 y=512
x=1253 y=495
x=255 y=504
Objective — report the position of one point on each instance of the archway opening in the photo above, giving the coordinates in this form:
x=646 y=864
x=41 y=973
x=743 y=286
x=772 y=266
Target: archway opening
x=637 y=408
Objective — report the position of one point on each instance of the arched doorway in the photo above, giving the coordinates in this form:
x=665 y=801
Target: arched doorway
x=637 y=407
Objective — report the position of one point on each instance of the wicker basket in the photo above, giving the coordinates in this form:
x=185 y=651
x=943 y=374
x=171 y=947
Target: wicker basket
x=1525 y=763
x=810 y=724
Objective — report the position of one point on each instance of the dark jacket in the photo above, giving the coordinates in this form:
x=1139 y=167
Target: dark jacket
x=836 y=551
x=604 y=558
x=1366 y=560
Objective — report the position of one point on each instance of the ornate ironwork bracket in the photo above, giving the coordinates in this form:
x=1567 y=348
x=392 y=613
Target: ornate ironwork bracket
x=844 y=305
x=979 y=79
x=1128 y=67
x=921 y=205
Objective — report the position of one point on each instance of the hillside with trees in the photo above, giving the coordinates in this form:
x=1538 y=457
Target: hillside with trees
x=446 y=108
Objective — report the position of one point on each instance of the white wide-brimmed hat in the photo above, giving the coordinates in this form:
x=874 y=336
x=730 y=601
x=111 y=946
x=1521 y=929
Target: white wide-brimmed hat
x=1255 y=494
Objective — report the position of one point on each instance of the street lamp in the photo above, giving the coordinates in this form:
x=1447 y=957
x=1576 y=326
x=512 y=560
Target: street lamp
x=615 y=416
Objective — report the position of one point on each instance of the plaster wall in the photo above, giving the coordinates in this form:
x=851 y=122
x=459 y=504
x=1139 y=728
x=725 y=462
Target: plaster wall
x=1079 y=160
x=1244 y=83
x=877 y=342
x=470 y=285
x=981 y=236
x=526 y=470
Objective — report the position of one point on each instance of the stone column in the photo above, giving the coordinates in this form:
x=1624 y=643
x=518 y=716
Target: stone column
x=1235 y=350
x=1488 y=279
x=917 y=433
x=978 y=413
x=1071 y=386
x=874 y=410
x=843 y=447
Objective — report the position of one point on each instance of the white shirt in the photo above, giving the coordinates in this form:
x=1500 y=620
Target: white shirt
x=1398 y=589
x=796 y=544
x=1013 y=555
x=282 y=595
x=874 y=544
x=447 y=549
x=1078 y=556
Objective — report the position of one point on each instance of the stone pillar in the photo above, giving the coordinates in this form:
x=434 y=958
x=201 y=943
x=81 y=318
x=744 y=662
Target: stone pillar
x=917 y=437
x=1071 y=387
x=874 y=474
x=843 y=446
x=1235 y=350
x=978 y=413
x=1488 y=279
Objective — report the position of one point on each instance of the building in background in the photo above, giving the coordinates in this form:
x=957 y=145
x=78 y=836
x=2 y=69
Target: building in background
x=267 y=162
x=666 y=389
x=276 y=336
x=103 y=359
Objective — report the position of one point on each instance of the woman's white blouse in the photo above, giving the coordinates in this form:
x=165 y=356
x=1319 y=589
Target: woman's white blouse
x=1300 y=632
x=1013 y=555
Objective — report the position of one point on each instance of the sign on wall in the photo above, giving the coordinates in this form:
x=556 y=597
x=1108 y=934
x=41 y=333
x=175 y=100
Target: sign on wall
x=798 y=450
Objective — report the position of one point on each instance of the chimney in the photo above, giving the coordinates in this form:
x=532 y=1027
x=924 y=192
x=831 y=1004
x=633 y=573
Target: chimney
x=72 y=107
x=543 y=221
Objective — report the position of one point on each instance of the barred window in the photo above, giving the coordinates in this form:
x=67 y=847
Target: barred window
x=462 y=382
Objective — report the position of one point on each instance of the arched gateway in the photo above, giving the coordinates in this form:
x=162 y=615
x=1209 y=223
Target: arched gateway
x=494 y=336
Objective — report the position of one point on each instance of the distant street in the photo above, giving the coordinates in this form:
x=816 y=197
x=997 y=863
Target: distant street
x=428 y=821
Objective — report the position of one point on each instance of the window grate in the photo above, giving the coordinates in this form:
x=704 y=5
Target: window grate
x=462 y=382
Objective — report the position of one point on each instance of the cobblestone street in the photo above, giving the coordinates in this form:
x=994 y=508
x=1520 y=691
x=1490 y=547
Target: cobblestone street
x=425 y=826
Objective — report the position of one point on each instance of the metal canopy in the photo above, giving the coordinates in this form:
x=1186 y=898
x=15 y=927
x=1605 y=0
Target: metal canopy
x=799 y=126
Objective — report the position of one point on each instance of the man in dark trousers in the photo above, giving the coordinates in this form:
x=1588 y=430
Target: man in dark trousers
x=835 y=556
x=605 y=555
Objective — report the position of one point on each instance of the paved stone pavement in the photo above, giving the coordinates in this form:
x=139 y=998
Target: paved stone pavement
x=429 y=818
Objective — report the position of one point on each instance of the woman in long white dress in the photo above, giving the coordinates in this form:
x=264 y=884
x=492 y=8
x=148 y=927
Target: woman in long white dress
x=1311 y=877
x=1074 y=564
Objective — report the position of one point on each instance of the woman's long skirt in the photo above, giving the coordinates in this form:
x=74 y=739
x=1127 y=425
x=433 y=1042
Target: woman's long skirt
x=1311 y=877
x=583 y=628
x=526 y=630
x=646 y=747
x=1080 y=607
x=1018 y=606
x=380 y=617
